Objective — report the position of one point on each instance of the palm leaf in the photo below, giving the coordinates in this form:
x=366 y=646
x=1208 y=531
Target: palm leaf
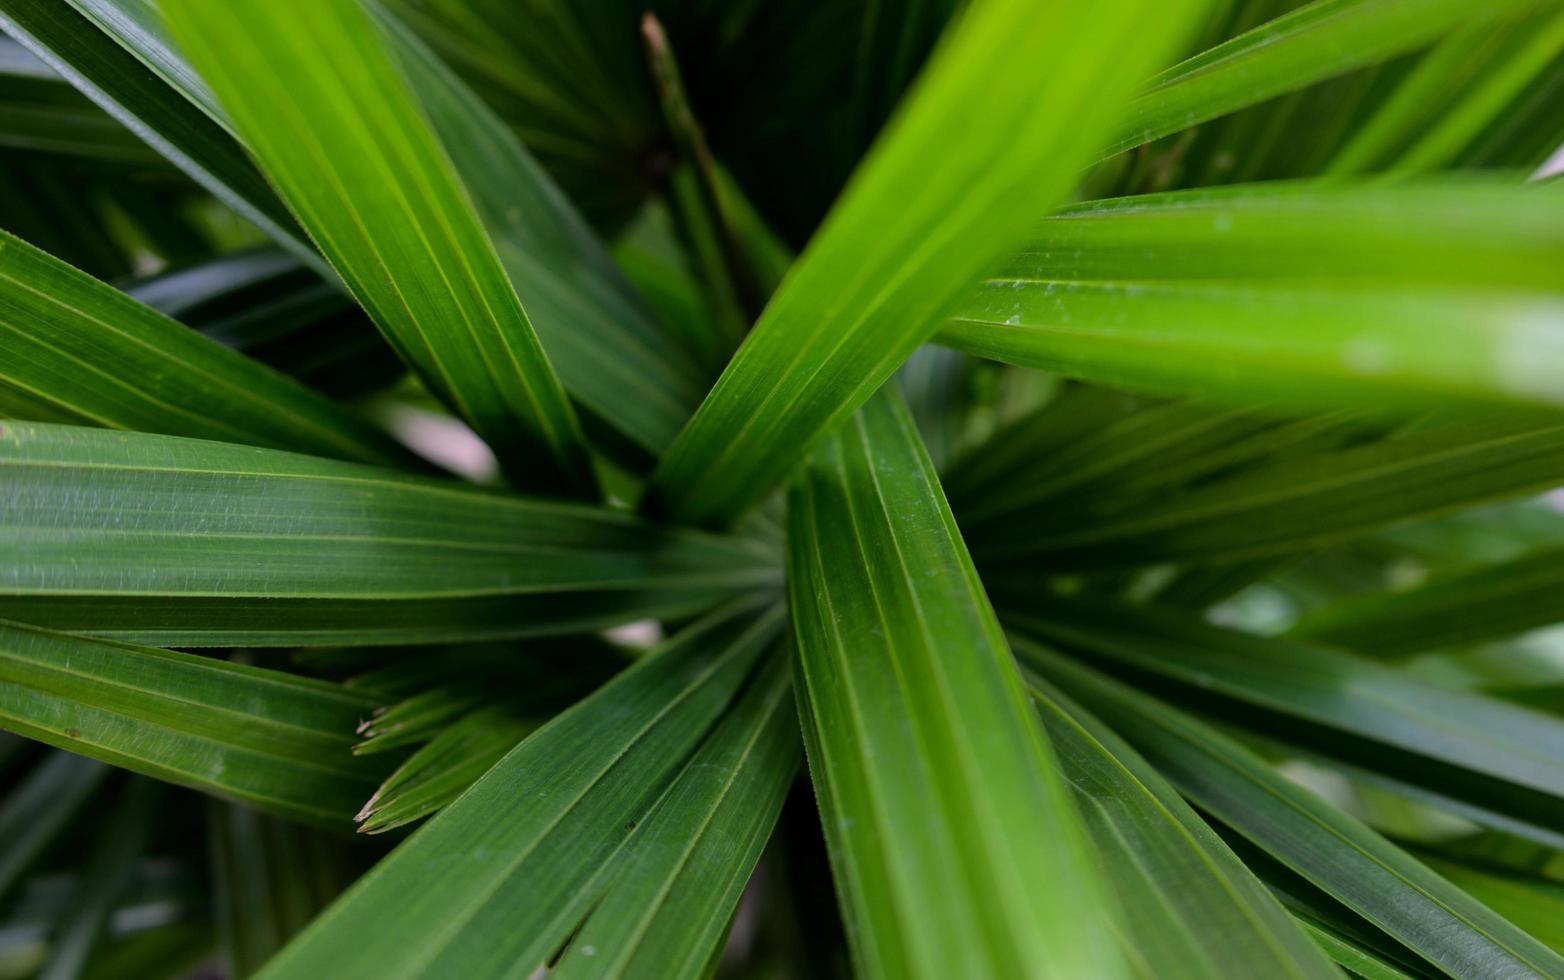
x=269 y=739
x=269 y=306
x=1174 y=878
x=1298 y=294
x=1304 y=46
x=38 y=808
x=40 y=113
x=441 y=770
x=1450 y=610
x=836 y=328
x=933 y=777
x=89 y=353
x=1298 y=503
x=1469 y=746
x=108 y=871
x=271 y=877
x=342 y=137
x=667 y=912
x=223 y=545
x=487 y=890
x=135 y=93
x=1356 y=866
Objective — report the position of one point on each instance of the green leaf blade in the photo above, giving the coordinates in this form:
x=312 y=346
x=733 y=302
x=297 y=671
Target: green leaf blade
x=268 y=739
x=191 y=543
x=130 y=90
x=1338 y=854
x=1484 y=603
x=1030 y=90
x=933 y=774
x=1307 y=45
x=1300 y=294
x=1177 y=883
x=490 y=889
x=667 y=912
x=95 y=355
x=1293 y=504
x=322 y=105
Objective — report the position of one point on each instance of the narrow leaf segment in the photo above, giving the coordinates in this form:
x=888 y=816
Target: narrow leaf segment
x=958 y=849
x=320 y=102
x=1011 y=106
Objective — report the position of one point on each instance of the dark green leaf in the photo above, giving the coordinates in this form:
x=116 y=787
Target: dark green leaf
x=491 y=889
x=1483 y=603
x=40 y=113
x=268 y=305
x=262 y=737
x=1304 y=502
x=667 y=912
x=271 y=878
x=613 y=356
x=159 y=107
x=108 y=871
x=442 y=770
x=37 y=809
x=92 y=354
x=191 y=543
x=1464 y=745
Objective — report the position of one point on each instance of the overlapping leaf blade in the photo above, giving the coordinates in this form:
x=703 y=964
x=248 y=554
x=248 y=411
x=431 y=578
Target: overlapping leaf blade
x=40 y=113
x=441 y=770
x=86 y=352
x=1338 y=854
x=270 y=877
x=1473 y=748
x=1301 y=294
x=957 y=848
x=138 y=96
x=110 y=866
x=490 y=888
x=1029 y=90
x=1176 y=882
x=268 y=305
x=1307 y=45
x=668 y=910
x=268 y=739
x=184 y=542
x=1295 y=504
x=613 y=357
x=1469 y=606
x=323 y=106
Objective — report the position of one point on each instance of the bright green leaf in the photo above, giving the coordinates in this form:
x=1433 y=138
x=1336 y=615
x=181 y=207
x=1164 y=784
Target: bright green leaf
x=1307 y=45
x=957 y=848
x=321 y=104
x=1326 y=846
x=1177 y=883
x=667 y=912
x=1299 y=294
x=1009 y=107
